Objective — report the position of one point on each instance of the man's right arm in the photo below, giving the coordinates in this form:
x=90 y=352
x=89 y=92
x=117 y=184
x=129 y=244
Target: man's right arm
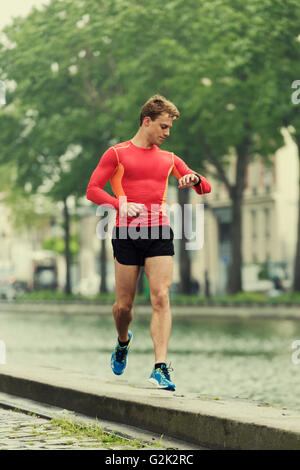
x=104 y=171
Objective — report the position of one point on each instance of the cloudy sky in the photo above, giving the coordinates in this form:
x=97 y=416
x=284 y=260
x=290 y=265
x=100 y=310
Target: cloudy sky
x=12 y=8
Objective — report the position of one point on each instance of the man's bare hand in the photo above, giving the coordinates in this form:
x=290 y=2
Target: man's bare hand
x=132 y=209
x=188 y=181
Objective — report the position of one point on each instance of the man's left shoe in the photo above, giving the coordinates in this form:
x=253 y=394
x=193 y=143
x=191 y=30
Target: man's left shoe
x=161 y=378
x=118 y=360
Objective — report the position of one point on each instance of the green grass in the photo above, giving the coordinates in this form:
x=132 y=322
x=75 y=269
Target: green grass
x=78 y=433
x=95 y=431
x=240 y=298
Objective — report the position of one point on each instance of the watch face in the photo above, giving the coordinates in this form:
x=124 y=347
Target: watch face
x=199 y=180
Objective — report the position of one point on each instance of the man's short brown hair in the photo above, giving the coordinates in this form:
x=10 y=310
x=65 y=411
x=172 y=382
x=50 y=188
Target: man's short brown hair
x=156 y=105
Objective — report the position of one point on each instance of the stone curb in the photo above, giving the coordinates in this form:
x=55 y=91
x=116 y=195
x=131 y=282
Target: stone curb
x=200 y=420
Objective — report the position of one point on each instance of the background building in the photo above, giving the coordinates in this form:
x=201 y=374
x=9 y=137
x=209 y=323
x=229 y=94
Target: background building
x=269 y=224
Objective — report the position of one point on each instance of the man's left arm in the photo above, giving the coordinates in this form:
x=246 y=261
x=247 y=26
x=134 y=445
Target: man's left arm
x=188 y=178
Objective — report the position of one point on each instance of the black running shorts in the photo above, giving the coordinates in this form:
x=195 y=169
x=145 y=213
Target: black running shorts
x=131 y=245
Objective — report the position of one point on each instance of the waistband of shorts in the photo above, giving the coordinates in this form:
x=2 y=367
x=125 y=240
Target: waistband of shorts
x=140 y=232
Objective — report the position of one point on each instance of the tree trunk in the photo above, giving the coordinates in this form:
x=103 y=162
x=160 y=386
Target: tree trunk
x=236 y=193
x=103 y=267
x=207 y=285
x=184 y=255
x=296 y=282
x=68 y=289
x=235 y=268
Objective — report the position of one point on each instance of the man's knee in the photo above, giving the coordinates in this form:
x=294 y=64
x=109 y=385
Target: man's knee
x=160 y=298
x=124 y=307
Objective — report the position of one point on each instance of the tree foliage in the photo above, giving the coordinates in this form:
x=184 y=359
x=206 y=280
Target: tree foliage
x=83 y=68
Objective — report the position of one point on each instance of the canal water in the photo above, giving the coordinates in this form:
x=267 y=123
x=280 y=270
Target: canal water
x=221 y=358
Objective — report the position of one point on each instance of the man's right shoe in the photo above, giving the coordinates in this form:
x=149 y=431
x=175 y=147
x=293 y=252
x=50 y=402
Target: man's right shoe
x=161 y=378
x=118 y=360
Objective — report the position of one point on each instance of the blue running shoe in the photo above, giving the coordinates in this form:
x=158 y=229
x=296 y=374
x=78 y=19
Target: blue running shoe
x=118 y=360
x=161 y=378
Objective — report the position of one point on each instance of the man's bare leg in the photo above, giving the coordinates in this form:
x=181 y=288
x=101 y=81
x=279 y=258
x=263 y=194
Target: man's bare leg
x=126 y=283
x=159 y=271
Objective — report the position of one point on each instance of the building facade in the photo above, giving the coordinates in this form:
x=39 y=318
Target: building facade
x=269 y=224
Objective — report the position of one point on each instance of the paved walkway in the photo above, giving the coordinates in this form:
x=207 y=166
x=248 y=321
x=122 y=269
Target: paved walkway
x=20 y=431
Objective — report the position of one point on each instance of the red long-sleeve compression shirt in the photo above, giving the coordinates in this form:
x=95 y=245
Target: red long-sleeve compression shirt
x=141 y=176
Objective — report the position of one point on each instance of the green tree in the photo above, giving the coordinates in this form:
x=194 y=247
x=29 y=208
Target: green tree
x=62 y=102
x=232 y=109
x=83 y=69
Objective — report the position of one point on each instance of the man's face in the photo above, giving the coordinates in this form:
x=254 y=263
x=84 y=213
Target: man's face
x=159 y=129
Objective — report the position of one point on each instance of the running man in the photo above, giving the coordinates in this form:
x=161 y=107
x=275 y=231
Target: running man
x=138 y=171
